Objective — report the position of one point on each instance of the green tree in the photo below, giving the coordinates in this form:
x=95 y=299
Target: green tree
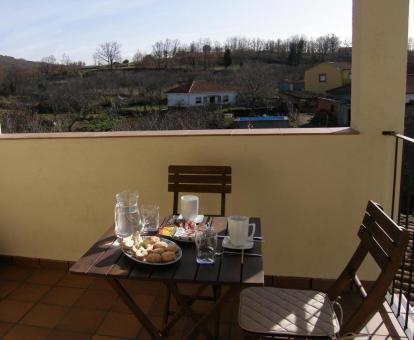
x=227 y=59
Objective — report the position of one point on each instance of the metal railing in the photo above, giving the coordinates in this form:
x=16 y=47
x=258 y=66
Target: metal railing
x=400 y=296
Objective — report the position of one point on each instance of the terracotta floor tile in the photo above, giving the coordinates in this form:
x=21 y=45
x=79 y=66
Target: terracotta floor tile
x=13 y=311
x=158 y=307
x=6 y=260
x=44 y=315
x=202 y=307
x=119 y=306
x=104 y=337
x=100 y=284
x=119 y=324
x=228 y=312
x=144 y=301
x=236 y=332
x=62 y=296
x=6 y=287
x=26 y=262
x=96 y=299
x=224 y=331
x=46 y=276
x=81 y=320
x=8 y=272
x=4 y=327
x=75 y=281
x=22 y=332
x=54 y=264
x=62 y=335
x=190 y=288
x=175 y=333
x=29 y=292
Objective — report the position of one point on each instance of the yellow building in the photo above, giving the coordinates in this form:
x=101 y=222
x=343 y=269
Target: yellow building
x=327 y=76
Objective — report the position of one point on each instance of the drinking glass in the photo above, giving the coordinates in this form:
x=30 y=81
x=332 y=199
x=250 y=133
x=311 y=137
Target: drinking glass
x=150 y=217
x=206 y=243
x=127 y=214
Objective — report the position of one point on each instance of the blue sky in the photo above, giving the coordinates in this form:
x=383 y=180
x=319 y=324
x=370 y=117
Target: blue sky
x=33 y=29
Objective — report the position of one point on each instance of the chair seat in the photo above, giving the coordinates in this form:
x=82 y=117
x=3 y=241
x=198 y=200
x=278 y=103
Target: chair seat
x=273 y=311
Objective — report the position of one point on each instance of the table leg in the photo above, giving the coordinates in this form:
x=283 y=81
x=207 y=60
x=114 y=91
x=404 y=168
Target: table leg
x=166 y=309
x=135 y=309
x=197 y=328
x=183 y=303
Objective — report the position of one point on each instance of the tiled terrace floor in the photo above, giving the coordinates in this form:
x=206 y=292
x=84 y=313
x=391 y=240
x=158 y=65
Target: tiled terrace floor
x=39 y=303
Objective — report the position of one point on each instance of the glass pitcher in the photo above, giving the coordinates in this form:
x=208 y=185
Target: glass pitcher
x=127 y=214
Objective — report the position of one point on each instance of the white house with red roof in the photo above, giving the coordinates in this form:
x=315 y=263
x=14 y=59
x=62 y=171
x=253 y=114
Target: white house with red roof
x=201 y=93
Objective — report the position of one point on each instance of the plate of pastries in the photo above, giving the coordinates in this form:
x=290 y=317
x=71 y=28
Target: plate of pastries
x=151 y=250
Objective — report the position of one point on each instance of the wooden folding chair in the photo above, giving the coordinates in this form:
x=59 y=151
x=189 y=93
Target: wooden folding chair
x=199 y=179
x=271 y=311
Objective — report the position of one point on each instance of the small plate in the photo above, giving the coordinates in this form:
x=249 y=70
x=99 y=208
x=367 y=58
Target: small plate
x=197 y=220
x=184 y=236
x=227 y=244
x=179 y=255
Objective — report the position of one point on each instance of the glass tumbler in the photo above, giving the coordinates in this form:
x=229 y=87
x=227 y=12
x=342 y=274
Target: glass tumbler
x=206 y=243
x=150 y=217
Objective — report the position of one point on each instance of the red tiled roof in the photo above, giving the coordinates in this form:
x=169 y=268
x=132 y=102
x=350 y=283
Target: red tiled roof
x=201 y=86
x=410 y=84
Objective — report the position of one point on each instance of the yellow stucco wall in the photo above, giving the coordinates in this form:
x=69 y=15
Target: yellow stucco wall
x=56 y=195
x=346 y=77
x=335 y=77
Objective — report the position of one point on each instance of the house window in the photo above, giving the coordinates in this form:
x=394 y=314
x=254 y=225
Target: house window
x=225 y=99
x=322 y=78
x=198 y=100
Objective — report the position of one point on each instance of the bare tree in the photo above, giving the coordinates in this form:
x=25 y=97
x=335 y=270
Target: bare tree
x=206 y=55
x=195 y=119
x=258 y=81
x=108 y=53
x=158 y=52
x=137 y=58
x=48 y=65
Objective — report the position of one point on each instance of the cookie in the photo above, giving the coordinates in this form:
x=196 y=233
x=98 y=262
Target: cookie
x=127 y=243
x=137 y=237
x=141 y=253
x=154 y=239
x=147 y=244
x=153 y=258
x=168 y=256
x=160 y=244
x=172 y=247
x=158 y=250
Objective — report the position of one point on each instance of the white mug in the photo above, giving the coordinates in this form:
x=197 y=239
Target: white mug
x=189 y=207
x=238 y=229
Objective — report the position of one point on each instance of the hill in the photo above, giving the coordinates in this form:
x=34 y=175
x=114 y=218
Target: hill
x=10 y=62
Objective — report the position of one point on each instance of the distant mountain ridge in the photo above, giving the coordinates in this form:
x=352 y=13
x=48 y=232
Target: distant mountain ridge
x=7 y=61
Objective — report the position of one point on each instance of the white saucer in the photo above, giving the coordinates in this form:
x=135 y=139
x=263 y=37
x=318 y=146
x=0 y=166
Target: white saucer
x=227 y=244
x=197 y=220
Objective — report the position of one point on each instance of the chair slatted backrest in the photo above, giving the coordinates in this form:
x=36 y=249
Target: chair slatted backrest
x=386 y=242
x=199 y=179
